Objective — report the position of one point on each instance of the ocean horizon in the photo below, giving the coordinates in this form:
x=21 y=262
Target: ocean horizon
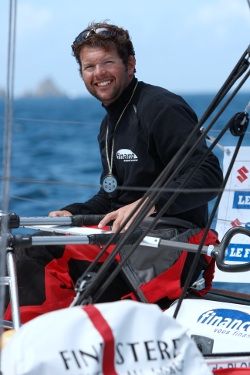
x=55 y=157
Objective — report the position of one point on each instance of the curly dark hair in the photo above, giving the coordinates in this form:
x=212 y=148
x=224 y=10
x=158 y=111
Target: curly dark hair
x=103 y=34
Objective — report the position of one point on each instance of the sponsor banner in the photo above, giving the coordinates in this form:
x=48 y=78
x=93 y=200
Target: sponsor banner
x=119 y=338
x=237 y=251
x=229 y=362
x=234 y=210
x=241 y=200
x=224 y=327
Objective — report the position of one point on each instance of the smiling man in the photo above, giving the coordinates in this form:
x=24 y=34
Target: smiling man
x=147 y=124
x=144 y=128
x=104 y=72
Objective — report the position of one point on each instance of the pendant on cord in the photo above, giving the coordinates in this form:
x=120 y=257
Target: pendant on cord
x=109 y=183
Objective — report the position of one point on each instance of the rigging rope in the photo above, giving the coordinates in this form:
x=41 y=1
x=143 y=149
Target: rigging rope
x=165 y=177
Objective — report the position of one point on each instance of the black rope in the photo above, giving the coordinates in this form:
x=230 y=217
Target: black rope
x=141 y=215
x=124 y=238
x=119 y=266
x=210 y=220
x=237 y=71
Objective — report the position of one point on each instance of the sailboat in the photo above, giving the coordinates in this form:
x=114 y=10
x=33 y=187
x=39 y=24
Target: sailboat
x=216 y=317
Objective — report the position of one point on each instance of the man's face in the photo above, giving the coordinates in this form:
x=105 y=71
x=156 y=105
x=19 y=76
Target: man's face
x=104 y=73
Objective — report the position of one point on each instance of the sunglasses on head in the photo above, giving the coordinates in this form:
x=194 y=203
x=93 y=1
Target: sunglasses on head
x=103 y=31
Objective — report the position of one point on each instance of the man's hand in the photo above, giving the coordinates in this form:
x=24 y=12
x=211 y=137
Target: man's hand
x=119 y=216
x=60 y=213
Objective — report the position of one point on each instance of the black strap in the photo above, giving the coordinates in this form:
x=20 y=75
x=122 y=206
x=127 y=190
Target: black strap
x=171 y=222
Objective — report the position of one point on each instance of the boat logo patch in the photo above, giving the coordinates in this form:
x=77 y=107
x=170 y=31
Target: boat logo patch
x=126 y=155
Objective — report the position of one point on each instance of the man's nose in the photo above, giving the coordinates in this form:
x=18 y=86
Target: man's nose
x=100 y=69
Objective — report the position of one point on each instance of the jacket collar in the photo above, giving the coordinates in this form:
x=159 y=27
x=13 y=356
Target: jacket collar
x=114 y=109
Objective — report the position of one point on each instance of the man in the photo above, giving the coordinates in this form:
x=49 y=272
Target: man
x=144 y=128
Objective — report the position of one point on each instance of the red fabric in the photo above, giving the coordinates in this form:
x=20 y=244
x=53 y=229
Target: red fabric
x=168 y=283
x=59 y=288
x=212 y=239
x=232 y=371
x=102 y=326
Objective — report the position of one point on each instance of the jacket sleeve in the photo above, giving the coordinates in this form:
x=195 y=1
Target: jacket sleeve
x=98 y=204
x=171 y=129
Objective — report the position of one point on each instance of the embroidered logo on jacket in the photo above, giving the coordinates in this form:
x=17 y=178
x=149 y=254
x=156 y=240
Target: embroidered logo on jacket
x=126 y=155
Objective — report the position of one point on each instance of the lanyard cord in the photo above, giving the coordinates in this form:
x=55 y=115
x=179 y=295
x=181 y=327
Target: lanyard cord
x=110 y=161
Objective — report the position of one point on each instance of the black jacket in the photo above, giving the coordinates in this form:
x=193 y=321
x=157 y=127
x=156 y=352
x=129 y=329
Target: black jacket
x=153 y=128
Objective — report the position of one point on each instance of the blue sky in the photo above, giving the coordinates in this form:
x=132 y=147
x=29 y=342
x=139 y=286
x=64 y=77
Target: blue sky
x=183 y=45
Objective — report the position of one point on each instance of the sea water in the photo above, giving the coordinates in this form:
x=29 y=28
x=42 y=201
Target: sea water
x=55 y=156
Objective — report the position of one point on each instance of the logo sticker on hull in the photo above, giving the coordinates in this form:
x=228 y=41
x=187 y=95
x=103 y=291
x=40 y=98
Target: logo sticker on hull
x=227 y=322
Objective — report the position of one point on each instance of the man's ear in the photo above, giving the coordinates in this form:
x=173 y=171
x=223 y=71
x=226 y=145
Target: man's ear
x=131 y=65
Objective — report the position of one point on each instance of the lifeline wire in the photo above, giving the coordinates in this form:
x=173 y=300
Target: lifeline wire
x=238 y=70
x=241 y=67
x=142 y=211
x=210 y=219
x=168 y=203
